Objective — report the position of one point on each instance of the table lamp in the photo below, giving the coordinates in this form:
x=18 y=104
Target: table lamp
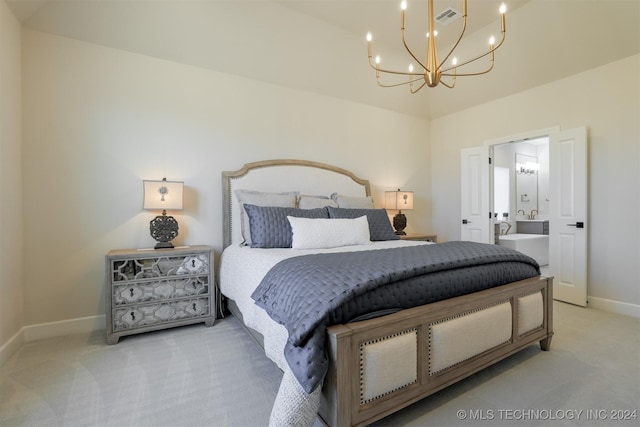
x=163 y=195
x=399 y=200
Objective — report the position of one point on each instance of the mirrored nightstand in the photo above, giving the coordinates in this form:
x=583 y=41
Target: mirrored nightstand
x=149 y=290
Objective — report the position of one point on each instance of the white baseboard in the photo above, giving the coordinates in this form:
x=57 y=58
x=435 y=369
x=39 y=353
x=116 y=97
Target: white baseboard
x=50 y=330
x=10 y=347
x=64 y=327
x=612 y=306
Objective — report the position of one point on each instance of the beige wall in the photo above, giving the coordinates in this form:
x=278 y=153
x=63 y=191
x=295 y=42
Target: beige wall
x=97 y=121
x=11 y=303
x=607 y=101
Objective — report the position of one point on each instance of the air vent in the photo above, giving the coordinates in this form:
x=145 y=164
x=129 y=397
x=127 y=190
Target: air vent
x=447 y=16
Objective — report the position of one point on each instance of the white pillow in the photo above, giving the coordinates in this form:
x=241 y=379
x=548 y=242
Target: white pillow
x=324 y=233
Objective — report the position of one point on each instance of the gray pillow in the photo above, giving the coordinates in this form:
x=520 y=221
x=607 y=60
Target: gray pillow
x=259 y=198
x=313 y=202
x=270 y=227
x=379 y=225
x=351 y=202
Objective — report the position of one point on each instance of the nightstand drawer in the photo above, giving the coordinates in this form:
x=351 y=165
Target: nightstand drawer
x=151 y=314
x=158 y=290
x=149 y=268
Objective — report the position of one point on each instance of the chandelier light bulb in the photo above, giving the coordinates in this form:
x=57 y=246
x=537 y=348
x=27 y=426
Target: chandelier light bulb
x=369 y=37
x=492 y=40
x=503 y=8
x=403 y=5
x=411 y=68
x=377 y=59
x=454 y=61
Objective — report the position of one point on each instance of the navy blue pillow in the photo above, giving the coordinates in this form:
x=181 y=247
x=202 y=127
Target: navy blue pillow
x=379 y=225
x=270 y=227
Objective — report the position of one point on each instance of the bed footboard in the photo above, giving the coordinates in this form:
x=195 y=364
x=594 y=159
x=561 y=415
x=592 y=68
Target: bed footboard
x=381 y=365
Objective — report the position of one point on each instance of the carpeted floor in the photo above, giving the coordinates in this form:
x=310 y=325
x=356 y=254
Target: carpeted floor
x=189 y=376
x=218 y=376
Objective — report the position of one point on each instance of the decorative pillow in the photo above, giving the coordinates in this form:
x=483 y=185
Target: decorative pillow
x=379 y=225
x=350 y=202
x=259 y=198
x=328 y=233
x=269 y=225
x=314 y=202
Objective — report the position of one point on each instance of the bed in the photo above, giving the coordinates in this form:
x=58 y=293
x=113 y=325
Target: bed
x=375 y=364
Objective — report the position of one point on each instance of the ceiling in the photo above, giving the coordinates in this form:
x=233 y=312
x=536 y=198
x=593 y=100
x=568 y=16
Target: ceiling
x=319 y=46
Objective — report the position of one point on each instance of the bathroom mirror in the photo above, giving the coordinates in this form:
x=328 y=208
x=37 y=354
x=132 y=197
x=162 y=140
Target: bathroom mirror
x=527 y=168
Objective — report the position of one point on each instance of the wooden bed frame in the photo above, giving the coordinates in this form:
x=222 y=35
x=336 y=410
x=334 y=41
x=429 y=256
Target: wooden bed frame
x=342 y=385
x=343 y=403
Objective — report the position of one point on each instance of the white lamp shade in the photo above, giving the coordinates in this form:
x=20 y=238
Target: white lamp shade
x=163 y=195
x=398 y=200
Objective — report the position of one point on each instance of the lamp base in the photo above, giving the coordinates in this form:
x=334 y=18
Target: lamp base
x=399 y=223
x=163 y=229
x=163 y=245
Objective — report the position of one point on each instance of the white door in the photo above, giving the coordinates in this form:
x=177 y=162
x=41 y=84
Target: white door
x=568 y=222
x=475 y=195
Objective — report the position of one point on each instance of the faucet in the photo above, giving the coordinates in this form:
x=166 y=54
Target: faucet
x=504 y=232
x=521 y=210
x=532 y=215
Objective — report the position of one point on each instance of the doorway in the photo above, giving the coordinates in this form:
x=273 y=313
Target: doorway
x=567 y=204
x=521 y=197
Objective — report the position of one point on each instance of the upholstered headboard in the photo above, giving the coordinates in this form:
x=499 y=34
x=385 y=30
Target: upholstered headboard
x=274 y=176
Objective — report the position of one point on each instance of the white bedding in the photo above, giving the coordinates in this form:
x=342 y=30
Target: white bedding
x=241 y=270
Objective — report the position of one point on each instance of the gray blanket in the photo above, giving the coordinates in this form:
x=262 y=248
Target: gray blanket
x=308 y=293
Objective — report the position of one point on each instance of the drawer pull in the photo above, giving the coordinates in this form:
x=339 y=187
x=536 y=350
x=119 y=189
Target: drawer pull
x=194 y=306
x=193 y=263
x=133 y=316
x=131 y=290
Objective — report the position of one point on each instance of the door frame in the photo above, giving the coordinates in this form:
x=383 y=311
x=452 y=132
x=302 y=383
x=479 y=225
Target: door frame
x=489 y=145
x=578 y=294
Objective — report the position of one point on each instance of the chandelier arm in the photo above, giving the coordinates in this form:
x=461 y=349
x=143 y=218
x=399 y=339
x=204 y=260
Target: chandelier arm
x=479 y=73
x=398 y=84
x=464 y=28
x=401 y=73
x=476 y=58
x=404 y=41
x=451 y=86
x=421 y=86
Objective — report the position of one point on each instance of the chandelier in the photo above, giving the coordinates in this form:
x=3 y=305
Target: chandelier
x=432 y=70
